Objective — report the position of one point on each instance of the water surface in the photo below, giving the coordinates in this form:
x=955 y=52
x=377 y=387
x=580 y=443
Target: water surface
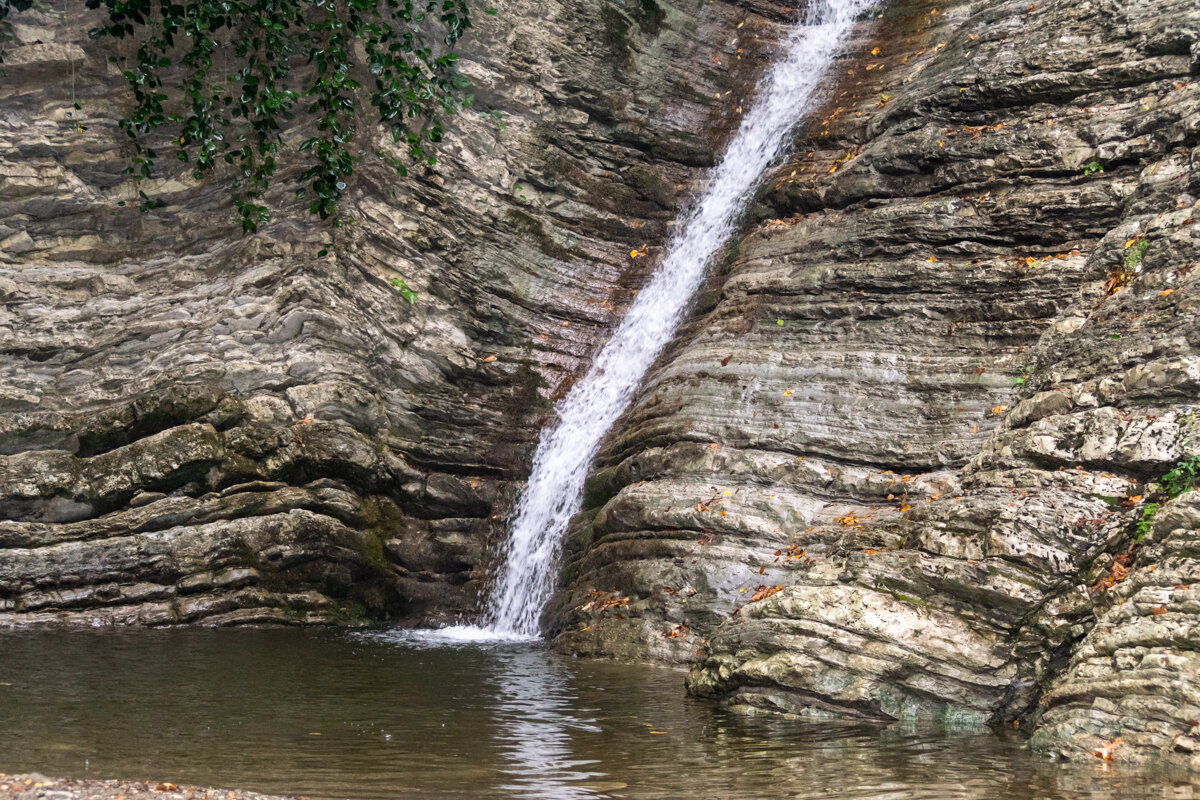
x=337 y=715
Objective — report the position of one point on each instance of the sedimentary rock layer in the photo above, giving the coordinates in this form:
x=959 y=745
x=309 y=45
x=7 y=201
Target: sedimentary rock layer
x=198 y=426
x=892 y=466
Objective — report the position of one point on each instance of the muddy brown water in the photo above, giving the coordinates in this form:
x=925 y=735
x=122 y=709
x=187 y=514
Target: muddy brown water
x=339 y=715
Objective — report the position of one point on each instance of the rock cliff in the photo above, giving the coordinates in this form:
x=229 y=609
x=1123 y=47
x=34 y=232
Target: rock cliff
x=892 y=466
x=201 y=427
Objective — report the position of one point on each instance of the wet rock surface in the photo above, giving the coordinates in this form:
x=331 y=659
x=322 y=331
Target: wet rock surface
x=201 y=427
x=893 y=465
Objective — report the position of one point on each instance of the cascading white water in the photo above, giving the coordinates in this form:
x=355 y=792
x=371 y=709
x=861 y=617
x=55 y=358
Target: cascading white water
x=566 y=449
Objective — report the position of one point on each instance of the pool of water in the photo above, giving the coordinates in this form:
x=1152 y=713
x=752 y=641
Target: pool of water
x=339 y=715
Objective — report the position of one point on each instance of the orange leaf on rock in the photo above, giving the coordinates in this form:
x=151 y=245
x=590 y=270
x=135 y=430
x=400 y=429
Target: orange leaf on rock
x=1105 y=751
x=764 y=592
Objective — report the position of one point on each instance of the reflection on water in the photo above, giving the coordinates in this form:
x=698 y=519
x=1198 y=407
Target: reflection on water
x=536 y=719
x=331 y=715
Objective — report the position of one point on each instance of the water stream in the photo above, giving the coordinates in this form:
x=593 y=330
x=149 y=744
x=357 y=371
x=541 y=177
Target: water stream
x=564 y=453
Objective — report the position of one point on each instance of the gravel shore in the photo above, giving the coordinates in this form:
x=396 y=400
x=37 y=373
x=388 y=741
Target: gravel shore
x=34 y=786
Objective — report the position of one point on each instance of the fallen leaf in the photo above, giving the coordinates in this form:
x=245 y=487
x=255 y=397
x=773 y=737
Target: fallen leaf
x=487 y=360
x=764 y=592
x=1160 y=610
x=1105 y=752
x=999 y=409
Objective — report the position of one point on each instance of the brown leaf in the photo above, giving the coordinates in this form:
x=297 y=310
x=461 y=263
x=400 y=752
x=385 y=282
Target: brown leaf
x=764 y=592
x=725 y=361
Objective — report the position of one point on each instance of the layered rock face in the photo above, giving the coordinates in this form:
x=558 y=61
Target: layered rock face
x=893 y=466
x=202 y=427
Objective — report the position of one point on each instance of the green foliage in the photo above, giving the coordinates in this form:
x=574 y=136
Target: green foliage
x=1183 y=477
x=405 y=290
x=1134 y=255
x=1092 y=167
x=223 y=77
x=1146 y=520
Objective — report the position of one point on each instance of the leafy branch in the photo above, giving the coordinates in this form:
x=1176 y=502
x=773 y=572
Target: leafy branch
x=223 y=78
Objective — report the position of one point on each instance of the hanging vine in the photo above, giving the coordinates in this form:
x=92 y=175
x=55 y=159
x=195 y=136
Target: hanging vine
x=222 y=79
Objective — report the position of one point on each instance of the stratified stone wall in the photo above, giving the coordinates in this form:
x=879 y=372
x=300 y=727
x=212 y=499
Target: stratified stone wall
x=197 y=426
x=891 y=467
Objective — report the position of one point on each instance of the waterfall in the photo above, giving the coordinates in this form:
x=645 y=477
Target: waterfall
x=567 y=446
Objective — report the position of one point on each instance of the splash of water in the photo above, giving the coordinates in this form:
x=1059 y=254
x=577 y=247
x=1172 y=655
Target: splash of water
x=566 y=449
